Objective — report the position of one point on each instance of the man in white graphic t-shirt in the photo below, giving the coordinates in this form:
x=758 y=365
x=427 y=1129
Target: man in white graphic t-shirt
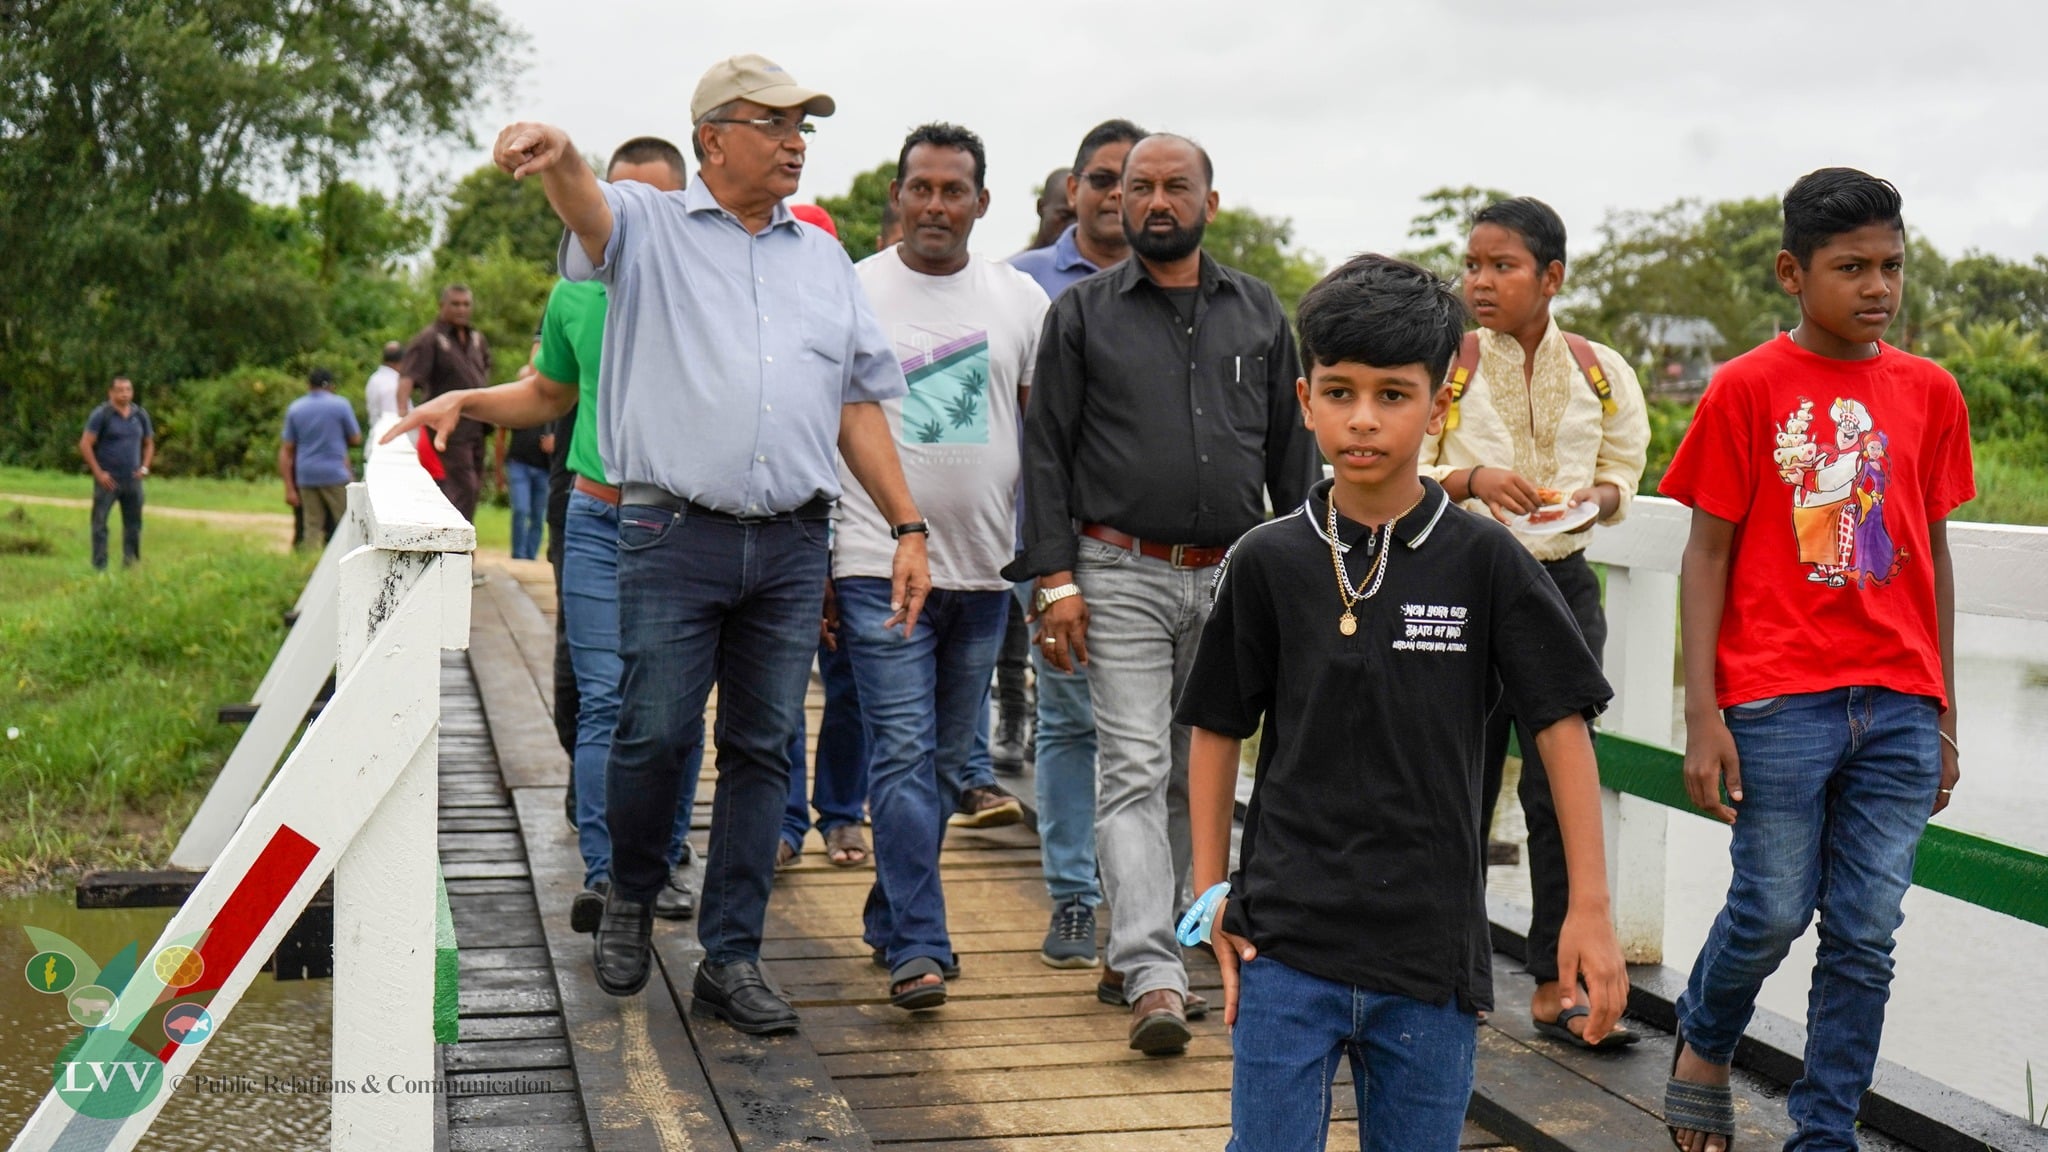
x=966 y=332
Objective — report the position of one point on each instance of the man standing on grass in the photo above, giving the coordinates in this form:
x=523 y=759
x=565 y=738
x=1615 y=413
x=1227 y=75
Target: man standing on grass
x=319 y=429
x=118 y=445
x=446 y=356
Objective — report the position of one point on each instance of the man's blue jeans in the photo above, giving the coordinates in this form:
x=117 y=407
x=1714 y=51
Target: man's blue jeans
x=919 y=696
x=590 y=625
x=839 y=787
x=1066 y=778
x=1292 y=1028
x=704 y=598
x=527 y=486
x=1837 y=787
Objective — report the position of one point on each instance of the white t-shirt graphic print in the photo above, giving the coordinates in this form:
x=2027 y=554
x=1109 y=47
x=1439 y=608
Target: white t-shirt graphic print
x=967 y=343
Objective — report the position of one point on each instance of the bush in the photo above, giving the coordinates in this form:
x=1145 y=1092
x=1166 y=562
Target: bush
x=2008 y=396
x=1668 y=421
x=225 y=426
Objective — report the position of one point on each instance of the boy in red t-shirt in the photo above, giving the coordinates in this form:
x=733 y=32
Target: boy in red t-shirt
x=1818 y=616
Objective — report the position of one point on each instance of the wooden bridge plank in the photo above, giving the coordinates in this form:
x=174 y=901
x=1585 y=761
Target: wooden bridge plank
x=637 y=1071
x=774 y=1090
x=505 y=1055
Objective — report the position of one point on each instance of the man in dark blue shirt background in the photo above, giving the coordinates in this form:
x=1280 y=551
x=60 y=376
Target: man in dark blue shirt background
x=118 y=445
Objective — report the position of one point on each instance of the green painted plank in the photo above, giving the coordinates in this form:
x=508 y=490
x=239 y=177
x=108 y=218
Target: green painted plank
x=1974 y=869
x=446 y=965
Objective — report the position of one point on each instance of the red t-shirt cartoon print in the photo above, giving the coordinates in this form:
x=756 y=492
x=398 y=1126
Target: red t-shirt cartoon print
x=1831 y=471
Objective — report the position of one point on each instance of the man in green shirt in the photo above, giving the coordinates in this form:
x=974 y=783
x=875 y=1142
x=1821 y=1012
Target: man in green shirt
x=566 y=371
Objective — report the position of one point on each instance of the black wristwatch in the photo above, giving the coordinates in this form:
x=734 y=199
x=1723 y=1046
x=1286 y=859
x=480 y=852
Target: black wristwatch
x=901 y=530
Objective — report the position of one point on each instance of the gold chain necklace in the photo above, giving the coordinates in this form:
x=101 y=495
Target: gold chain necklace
x=1382 y=539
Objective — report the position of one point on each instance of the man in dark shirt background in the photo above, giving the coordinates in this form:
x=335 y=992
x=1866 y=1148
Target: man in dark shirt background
x=1160 y=468
x=448 y=355
x=118 y=445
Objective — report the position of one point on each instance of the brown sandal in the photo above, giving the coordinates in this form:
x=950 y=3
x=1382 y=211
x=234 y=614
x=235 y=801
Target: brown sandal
x=785 y=855
x=845 y=847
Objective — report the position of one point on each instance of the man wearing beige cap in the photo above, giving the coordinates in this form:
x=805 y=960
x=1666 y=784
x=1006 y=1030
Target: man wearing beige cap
x=739 y=353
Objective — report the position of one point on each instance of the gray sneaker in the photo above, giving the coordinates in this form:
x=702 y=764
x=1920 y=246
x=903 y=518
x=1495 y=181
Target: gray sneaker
x=1070 y=940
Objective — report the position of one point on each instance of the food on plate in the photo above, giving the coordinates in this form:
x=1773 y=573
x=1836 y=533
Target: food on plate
x=1549 y=496
x=1546 y=515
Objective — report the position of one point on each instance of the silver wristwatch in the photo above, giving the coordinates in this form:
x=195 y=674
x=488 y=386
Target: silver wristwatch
x=1047 y=597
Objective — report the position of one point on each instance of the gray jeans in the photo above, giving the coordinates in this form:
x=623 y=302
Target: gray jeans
x=1145 y=618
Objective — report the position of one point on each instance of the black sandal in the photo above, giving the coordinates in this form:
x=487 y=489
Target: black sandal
x=1560 y=1029
x=919 y=995
x=1708 y=1109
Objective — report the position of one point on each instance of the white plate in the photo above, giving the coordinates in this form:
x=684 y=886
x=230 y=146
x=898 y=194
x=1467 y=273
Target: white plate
x=1572 y=518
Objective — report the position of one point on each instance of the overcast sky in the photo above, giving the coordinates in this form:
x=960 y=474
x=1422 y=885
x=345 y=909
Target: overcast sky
x=1341 y=113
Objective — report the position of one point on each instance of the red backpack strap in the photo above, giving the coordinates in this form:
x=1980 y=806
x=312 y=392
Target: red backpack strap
x=1461 y=375
x=1589 y=367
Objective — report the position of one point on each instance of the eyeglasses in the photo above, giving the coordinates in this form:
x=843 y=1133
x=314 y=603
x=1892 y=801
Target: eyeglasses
x=773 y=127
x=1101 y=179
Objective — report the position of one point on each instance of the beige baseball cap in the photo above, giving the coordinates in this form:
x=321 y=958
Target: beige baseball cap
x=755 y=78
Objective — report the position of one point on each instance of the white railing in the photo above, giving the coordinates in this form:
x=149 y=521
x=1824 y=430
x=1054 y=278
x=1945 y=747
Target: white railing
x=1998 y=573
x=357 y=798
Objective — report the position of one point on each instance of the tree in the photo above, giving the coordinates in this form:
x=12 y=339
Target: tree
x=488 y=206
x=858 y=214
x=1263 y=246
x=1442 y=225
x=1711 y=261
x=131 y=134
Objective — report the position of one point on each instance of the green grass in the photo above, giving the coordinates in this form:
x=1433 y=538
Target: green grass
x=108 y=682
x=2012 y=485
x=208 y=494
x=200 y=492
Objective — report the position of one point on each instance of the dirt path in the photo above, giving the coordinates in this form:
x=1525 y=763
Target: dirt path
x=277 y=526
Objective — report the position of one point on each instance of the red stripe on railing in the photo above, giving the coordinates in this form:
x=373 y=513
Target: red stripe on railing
x=248 y=909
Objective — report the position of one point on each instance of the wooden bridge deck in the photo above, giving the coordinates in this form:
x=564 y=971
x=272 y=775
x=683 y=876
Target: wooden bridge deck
x=1021 y=1059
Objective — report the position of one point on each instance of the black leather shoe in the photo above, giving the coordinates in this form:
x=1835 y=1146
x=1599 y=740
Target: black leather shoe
x=737 y=994
x=623 y=950
x=588 y=907
x=675 y=901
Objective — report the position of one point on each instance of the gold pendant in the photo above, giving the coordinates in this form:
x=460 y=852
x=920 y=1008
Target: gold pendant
x=1347 y=623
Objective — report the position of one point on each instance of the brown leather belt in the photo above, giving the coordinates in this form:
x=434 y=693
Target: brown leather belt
x=1178 y=555
x=604 y=492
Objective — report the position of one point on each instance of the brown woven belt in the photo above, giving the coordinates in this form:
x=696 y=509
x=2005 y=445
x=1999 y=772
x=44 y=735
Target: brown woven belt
x=1178 y=555
x=604 y=492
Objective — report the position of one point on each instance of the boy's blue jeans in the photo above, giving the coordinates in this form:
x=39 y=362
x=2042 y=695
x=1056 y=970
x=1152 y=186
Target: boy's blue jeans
x=1837 y=787
x=1292 y=1028
x=919 y=696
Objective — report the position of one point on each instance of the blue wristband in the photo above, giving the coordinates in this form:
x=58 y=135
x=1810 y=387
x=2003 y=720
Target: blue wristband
x=1200 y=921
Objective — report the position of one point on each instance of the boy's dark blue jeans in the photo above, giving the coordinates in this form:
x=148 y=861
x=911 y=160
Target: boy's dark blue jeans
x=703 y=597
x=1837 y=787
x=1291 y=1030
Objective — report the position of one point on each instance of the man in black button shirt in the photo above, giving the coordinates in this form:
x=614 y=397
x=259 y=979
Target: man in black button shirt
x=1367 y=631
x=1162 y=416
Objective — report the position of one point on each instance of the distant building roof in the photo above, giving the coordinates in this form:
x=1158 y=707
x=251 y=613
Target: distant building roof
x=1688 y=332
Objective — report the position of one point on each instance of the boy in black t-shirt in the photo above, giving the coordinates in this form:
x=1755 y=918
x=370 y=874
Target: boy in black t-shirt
x=1368 y=631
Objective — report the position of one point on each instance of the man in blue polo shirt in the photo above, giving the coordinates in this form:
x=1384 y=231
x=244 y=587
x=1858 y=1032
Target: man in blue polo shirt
x=739 y=350
x=1066 y=720
x=319 y=429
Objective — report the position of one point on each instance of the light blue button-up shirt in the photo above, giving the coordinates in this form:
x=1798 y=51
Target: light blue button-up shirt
x=1056 y=265
x=727 y=355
